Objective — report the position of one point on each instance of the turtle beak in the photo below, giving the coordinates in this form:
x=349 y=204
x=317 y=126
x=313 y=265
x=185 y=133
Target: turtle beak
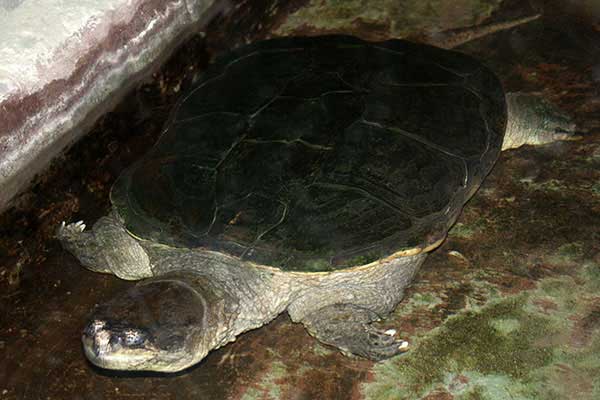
x=560 y=126
x=557 y=124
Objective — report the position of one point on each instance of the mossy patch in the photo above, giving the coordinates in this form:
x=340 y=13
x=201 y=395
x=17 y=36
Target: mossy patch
x=513 y=348
x=567 y=255
x=468 y=342
x=424 y=299
x=269 y=387
x=461 y=230
x=498 y=387
x=590 y=273
x=553 y=185
x=571 y=250
x=506 y=325
x=389 y=17
x=321 y=350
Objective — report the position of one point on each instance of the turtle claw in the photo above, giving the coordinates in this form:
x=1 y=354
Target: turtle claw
x=66 y=231
x=80 y=225
x=347 y=327
x=378 y=345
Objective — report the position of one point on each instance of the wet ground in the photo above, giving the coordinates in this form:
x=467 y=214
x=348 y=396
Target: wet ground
x=507 y=308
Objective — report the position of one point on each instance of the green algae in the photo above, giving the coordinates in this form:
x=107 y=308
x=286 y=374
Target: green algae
x=427 y=300
x=575 y=374
x=506 y=325
x=549 y=185
x=466 y=342
x=509 y=349
x=498 y=387
x=268 y=388
x=467 y=230
x=321 y=350
x=571 y=250
x=568 y=254
x=590 y=273
x=398 y=19
x=461 y=230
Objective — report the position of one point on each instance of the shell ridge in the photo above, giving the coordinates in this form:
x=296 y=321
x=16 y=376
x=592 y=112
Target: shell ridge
x=267 y=230
x=412 y=136
x=367 y=193
x=429 y=144
x=206 y=114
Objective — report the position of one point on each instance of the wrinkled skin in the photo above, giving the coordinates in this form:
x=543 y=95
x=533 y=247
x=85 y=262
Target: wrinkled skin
x=201 y=300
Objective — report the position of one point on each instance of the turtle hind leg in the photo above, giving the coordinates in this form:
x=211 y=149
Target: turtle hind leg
x=106 y=248
x=348 y=327
x=533 y=120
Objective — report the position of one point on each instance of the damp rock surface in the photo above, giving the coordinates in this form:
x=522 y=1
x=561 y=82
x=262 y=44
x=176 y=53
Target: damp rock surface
x=380 y=19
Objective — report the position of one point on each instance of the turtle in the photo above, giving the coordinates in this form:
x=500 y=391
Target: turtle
x=311 y=175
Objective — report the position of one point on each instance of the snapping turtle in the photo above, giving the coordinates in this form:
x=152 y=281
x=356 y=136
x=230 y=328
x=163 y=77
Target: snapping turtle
x=311 y=175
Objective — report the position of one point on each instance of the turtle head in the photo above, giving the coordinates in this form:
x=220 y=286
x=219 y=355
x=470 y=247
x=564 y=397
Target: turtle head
x=157 y=325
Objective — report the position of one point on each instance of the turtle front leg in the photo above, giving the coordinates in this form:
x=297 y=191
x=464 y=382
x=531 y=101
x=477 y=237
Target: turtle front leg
x=82 y=245
x=348 y=327
x=533 y=120
x=106 y=248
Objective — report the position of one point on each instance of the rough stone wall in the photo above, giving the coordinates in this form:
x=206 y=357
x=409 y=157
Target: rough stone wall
x=63 y=64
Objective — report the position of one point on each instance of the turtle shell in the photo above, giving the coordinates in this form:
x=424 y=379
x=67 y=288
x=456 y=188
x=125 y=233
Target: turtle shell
x=319 y=153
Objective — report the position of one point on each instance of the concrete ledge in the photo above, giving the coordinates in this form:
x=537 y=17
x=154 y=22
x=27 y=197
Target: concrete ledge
x=64 y=63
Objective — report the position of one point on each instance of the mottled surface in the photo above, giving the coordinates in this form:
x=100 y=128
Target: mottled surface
x=508 y=308
x=380 y=19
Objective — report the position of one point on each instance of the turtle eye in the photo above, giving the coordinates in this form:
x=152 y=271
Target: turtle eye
x=133 y=337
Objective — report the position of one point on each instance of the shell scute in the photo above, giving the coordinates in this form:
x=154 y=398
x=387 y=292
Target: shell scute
x=312 y=153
